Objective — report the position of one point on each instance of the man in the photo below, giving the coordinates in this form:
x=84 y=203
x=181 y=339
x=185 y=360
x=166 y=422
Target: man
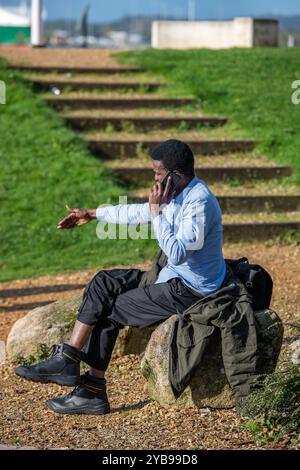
x=187 y=224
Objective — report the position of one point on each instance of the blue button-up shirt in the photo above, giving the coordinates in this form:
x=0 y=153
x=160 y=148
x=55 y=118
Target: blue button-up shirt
x=188 y=230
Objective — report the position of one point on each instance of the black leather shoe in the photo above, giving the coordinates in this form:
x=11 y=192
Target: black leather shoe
x=88 y=398
x=62 y=368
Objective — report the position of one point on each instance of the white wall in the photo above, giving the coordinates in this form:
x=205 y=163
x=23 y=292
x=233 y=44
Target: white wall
x=241 y=32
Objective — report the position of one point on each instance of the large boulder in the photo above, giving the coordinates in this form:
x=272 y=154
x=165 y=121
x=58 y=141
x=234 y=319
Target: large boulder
x=53 y=323
x=47 y=325
x=209 y=386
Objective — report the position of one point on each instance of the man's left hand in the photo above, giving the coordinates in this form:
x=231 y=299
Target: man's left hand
x=76 y=218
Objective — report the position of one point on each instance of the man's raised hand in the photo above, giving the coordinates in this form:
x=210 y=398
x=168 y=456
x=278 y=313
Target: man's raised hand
x=160 y=196
x=76 y=218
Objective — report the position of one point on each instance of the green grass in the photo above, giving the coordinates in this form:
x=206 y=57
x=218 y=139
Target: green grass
x=44 y=165
x=251 y=86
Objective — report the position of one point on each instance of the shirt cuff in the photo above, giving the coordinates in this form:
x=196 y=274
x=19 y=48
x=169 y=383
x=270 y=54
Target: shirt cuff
x=99 y=213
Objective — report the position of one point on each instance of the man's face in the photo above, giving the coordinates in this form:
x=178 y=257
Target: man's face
x=159 y=171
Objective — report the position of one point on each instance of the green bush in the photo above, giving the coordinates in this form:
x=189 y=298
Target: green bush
x=274 y=407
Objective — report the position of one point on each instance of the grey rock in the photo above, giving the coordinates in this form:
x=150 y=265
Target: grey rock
x=47 y=325
x=53 y=323
x=209 y=387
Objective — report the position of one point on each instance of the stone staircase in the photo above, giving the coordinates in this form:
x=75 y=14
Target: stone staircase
x=122 y=114
x=87 y=102
x=107 y=146
x=143 y=123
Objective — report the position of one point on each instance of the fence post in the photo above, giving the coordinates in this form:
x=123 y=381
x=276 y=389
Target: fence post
x=36 y=23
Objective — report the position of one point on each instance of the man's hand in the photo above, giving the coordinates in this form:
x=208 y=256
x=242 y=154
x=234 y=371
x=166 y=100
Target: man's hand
x=76 y=218
x=158 y=197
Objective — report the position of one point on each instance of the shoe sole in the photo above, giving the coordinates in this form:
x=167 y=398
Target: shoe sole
x=86 y=411
x=57 y=379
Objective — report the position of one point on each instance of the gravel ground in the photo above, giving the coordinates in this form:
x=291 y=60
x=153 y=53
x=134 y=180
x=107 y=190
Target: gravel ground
x=135 y=421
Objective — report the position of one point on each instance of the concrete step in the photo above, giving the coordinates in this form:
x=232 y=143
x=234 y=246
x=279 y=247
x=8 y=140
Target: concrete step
x=166 y=112
x=46 y=84
x=248 y=232
x=77 y=69
x=142 y=123
x=211 y=174
x=272 y=187
x=245 y=204
x=259 y=217
x=261 y=226
x=116 y=102
x=114 y=147
x=229 y=160
x=231 y=188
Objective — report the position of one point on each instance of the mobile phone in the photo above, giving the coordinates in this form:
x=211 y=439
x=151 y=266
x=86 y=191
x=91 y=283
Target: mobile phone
x=174 y=181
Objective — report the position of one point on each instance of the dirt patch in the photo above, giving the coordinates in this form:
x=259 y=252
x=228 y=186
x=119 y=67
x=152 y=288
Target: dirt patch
x=59 y=57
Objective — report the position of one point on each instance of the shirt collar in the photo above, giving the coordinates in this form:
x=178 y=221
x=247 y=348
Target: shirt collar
x=178 y=199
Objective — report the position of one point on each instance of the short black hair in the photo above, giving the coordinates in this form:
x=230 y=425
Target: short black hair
x=175 y=155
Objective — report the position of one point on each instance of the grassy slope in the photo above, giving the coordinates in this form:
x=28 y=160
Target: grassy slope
x=43 y=166
x=251 y=86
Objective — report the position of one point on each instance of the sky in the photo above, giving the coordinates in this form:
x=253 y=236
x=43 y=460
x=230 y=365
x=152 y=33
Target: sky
x=102 y=11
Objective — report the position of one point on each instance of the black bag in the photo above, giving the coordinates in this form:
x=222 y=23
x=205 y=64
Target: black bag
x=256 y=280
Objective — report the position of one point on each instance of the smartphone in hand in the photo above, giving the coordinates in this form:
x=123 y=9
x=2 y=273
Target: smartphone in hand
x=174 y=181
